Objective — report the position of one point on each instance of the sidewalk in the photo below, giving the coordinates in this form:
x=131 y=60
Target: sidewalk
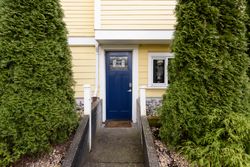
x=116 y=147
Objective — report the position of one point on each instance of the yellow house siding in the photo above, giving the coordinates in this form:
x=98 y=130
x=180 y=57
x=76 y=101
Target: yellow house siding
x=143 y=67
x=138 y=14
x=83 y=60
x=155 y=92
x=79 y=17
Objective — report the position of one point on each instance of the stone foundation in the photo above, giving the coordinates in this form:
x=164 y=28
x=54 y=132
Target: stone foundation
x=79 y=104
x=152 y=104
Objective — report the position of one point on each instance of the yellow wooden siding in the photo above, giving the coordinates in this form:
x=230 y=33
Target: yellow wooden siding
x=79 y=17
x=138 y=14
x=143 y=67
x=84 y=64
x=155 y=92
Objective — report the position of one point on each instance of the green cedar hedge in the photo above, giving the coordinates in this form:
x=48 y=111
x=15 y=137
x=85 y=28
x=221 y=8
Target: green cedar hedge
x=36 y=96
x=205 y=112
x=248 y=32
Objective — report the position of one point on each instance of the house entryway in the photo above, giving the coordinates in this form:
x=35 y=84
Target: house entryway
x=97 y=146
x=118 y=85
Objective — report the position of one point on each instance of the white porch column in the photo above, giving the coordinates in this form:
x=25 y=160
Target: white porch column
x=87 y=108
x=143 y=100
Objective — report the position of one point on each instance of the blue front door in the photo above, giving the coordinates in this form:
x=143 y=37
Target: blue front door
x=119 y=85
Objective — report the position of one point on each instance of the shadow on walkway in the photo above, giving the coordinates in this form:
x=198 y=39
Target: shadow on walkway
x=116 y=147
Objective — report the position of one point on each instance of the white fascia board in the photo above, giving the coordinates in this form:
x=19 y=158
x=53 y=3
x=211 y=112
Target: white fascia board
x=81 y=41
x=133 y=35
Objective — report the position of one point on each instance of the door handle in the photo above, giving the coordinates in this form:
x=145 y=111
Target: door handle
x=130 y=90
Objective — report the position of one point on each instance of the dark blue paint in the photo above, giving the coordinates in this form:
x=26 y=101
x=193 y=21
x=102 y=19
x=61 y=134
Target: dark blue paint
x=118 y=99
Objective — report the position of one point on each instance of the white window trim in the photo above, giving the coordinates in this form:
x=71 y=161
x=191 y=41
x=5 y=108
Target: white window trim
x=158 y=55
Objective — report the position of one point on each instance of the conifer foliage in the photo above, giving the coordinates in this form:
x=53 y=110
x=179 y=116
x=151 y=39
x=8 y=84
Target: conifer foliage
x=36 y=96
x=205 y=112
x=248 y=32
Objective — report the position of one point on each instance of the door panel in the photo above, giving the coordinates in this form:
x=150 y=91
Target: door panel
x=118 y=85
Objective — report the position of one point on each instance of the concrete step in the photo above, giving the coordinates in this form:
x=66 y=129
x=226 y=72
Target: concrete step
x=115 y=165
x=117 y=145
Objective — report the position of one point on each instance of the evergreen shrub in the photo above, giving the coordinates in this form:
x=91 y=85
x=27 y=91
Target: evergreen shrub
x=205 y=112
x=36 y=96
x=248 y=32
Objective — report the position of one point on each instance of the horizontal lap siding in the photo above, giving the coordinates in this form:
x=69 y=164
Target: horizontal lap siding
x=143 y=67
x=138 y=14
x=79 y=17
x=83 y=60
x=155 y=92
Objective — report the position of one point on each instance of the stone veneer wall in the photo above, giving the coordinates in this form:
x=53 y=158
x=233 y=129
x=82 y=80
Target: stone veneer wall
x=152 y=103
x=79 y=105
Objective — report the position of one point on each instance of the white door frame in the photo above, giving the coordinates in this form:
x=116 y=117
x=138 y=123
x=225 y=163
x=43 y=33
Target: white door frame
x=102 y=75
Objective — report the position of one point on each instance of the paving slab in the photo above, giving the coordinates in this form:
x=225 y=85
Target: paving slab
x=116 y=147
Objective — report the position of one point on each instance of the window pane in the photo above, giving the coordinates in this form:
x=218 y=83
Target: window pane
x=158 y=71
x=118 y=63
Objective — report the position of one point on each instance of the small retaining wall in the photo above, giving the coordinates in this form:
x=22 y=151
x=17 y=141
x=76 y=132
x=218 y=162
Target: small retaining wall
x=147 y=141
x=79 y=145
x=95 y=114
x=78 y=152
x=150 y=156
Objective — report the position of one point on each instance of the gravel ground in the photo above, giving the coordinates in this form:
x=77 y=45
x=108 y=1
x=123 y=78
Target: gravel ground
x=167 y=157
x=52 y=159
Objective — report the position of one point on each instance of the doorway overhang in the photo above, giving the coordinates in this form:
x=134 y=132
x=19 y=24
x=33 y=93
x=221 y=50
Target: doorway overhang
x=134 y=36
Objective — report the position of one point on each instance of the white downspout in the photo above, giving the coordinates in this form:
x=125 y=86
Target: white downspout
x=97 y=25
x=96 y=70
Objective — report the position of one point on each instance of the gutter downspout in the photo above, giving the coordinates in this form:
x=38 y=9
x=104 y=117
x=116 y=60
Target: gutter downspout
x=97 y=70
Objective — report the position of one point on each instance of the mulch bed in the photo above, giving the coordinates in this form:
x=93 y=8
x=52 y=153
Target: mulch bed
x=51 y=159
x=167 y=157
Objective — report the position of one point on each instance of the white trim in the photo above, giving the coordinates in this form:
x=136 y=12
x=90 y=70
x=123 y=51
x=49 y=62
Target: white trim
x=135 y=79
x=96 y=70
x=97 y=14
x=76 y=41
x=102 y=72
x=134 y=34
x=158 y=55
x=134 y=49
x=87 y=109
x=143 y=100
x=166 y=54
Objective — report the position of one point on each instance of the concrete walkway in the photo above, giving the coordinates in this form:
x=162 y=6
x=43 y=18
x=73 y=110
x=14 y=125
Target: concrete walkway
x=116 y=147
